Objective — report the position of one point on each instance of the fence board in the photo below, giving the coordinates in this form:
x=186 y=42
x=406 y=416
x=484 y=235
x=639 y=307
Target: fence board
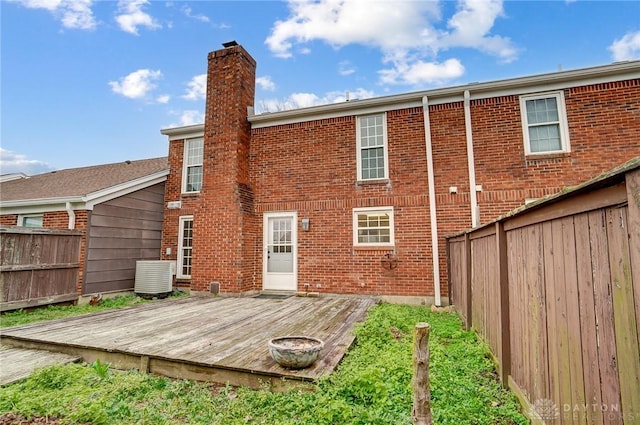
x=588 y=325
x=609 y=381
x=552 y=301
x=537 y=312
x=562 y=328
x=574 y=345
x=516 y=305
x=633 y=215
x=627 y=348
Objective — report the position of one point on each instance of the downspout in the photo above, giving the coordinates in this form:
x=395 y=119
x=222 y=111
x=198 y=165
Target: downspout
x=473 y=197
x=72 y=216
x=432 y=203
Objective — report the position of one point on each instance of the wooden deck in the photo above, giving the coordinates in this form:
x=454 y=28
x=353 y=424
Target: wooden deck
x=208 y=339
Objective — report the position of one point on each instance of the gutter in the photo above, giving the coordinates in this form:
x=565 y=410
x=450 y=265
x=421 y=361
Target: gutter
x=473 y=197
x=435 y=255
x=72 y=216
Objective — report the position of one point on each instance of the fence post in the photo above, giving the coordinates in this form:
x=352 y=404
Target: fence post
x=467 y=282
x=421 y=413
x=503 y=277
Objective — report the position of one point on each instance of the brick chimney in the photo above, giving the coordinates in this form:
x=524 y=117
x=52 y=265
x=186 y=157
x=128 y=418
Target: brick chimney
x=224 y=223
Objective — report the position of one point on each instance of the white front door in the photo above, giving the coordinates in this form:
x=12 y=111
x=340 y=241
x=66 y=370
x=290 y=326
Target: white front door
x=279 y=271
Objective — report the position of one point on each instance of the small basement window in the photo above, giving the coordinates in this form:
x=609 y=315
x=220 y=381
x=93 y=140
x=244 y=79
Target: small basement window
x=373 y=226
x=30 y=220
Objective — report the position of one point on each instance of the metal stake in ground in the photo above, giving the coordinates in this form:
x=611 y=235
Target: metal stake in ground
x=421 y=412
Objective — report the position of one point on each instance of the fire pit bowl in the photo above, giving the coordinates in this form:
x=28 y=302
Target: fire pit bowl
x=295 y=352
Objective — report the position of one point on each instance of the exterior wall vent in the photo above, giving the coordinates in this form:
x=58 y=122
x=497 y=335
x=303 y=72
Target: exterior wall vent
x=154 y=278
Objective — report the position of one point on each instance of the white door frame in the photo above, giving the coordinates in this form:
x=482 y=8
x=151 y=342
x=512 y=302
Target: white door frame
x=278 y=281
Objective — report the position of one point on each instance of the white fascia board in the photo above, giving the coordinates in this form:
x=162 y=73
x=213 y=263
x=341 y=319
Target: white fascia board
x=186 y=132
x=122 y=189
x=39 y=206
x=521 y=85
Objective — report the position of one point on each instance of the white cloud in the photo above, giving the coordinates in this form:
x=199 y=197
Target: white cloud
x=409 y=34
x=11 y=162
x=188 y=12
x=266 y=83
x=163 y=98
x=131 y=16
x=74 y=14
x=191 y=117
x=339 y=23
x=345 y=68
x=627 y=47
x=196 y=88
x=471 y=25
x=304 y=100
x=419 y=72
x=137 y=84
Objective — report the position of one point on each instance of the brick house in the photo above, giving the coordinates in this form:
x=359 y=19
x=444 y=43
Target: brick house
x=118 y=207
x=357 y=197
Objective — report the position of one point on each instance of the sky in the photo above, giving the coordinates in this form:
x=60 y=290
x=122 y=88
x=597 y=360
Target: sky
x=86 y=82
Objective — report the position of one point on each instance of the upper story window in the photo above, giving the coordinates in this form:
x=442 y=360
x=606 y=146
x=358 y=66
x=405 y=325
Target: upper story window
x=373 y=226
x=192 y=165
x=31 y=220
x=372 y=153
x=544 y=122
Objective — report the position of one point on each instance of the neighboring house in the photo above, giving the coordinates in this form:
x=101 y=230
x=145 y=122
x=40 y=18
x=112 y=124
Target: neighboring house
x=357 y=197
x=119 y=207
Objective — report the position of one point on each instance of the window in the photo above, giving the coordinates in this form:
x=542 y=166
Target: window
x=373 y=227
x=372 y=147
x=192 y=165
x=544 y=122
x=185 y=247
x=32 y=220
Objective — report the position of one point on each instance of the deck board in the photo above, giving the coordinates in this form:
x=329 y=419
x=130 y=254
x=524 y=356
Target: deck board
x=19 y=363
x=210 y=338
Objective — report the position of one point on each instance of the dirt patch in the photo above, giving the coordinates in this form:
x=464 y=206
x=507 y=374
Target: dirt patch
x=13 y=419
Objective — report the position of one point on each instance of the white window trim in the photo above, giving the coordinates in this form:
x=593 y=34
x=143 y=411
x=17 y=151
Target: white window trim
x=562 y=116
x=387 y=210
x=21 y=218
x=179 y=257
x=384 y=146
x=184 y=163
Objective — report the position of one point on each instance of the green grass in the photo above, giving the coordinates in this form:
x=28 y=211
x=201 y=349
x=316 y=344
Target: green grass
x=371 y=386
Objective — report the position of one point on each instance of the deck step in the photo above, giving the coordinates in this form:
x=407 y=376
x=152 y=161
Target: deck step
x=19 y=363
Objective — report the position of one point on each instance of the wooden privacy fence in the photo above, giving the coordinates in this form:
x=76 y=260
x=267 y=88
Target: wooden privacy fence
x=554 y=290
x=38 y=266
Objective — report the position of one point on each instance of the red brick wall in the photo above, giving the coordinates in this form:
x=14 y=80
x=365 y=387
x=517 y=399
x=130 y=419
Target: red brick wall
x=604 y=129
x=82 y=220
x=311 y=168
x=9 y=220
x=450 y=168
x=56 y=220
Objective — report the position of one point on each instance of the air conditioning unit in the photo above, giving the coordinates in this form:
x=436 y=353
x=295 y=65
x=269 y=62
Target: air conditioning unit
x=154 y=277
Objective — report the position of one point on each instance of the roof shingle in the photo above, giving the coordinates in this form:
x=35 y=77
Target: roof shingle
x=79 y=181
